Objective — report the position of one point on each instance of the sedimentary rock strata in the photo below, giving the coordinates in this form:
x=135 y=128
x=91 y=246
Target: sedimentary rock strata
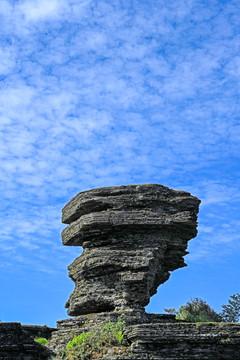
x=185 y=341
x=17 y=342
x=132 y=237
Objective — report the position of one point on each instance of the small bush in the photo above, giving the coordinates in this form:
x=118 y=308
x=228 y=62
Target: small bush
x=196 y=310
x=231 y=311
x=114 y=332
x=81 y=340
x=41 y=341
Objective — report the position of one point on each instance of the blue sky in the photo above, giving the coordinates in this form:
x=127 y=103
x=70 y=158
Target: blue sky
x=98 y=93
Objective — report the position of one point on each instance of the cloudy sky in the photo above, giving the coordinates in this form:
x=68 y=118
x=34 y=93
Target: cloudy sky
x=98 y=93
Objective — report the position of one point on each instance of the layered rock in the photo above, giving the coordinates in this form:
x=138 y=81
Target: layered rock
x=17 y=342
x=184 y=341
x=132 y=237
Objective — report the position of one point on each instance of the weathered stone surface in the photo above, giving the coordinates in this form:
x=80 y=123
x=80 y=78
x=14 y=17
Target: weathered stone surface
x=123 y=198
x=178 y=341
x=38 y=330
x=165 y=339
x=18 y=344
x=132 y=236
x=95 y=213
x=68 y=328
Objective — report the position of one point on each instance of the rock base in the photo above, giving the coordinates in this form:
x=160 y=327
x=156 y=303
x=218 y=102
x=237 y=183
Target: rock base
x=16 y=343
x=185 y=341
x=157 y=337
x=68 y=328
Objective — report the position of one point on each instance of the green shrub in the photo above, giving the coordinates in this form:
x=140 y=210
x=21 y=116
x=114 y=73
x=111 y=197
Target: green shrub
x=41 y=341
x=81 y=340
x=231 y=311
x=196 y=310
x=114 y=332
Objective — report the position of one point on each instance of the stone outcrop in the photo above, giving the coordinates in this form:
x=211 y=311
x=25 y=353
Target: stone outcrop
x=164 y=339
x=68 y=328
x=38 y=331
x=17 y=343
x=132 y=237
x=185 y=341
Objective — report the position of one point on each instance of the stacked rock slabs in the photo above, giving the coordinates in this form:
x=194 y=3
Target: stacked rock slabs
x=132 y=237
x=185 y=341
x=17 y=342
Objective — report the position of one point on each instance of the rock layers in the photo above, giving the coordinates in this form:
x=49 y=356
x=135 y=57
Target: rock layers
x=17 y=342
x=132 y=237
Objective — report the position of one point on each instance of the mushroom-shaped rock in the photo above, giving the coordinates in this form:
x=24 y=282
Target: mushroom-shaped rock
x=132 y=237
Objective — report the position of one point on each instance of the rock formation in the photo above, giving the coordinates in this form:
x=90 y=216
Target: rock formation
x=132 y=237
x=17 y=342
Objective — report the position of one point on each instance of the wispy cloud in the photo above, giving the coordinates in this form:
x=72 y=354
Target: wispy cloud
x=97 y=93
x=40 y=9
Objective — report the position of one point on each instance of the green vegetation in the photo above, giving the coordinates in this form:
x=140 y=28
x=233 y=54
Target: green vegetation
x=196 y=310
x=231 y=311
x=95 y=344
x=41 y=341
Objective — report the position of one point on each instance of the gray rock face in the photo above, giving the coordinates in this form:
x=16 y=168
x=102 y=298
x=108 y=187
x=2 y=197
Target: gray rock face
x=132 y=237
x=17 y=343
x=185 y=341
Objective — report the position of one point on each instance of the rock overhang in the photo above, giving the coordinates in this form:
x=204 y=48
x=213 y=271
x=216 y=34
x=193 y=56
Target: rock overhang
x=96 y=213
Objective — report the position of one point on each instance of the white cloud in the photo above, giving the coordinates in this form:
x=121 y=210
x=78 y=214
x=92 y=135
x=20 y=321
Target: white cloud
x=97 y=94
x=5 y=8
x=10 y=98
x=8 y=61
x=233 y=67
x=40 y=9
